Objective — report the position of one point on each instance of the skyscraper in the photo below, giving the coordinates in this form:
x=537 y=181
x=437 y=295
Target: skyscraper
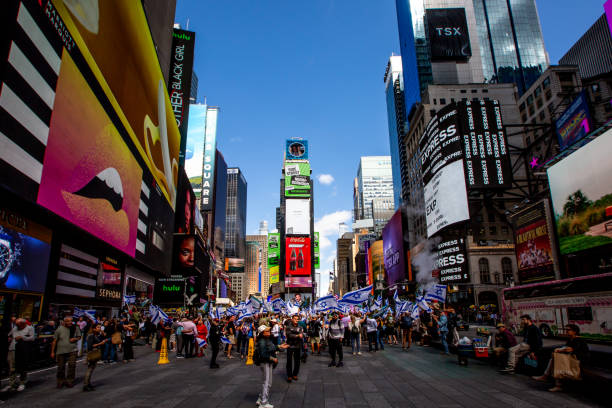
x=235 y=214
x=257 y=279
x=396 y=115
x=374 y=182
x=263 y=227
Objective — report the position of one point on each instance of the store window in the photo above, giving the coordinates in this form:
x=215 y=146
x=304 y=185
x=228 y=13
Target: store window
x=506 y=265
x=483 y=267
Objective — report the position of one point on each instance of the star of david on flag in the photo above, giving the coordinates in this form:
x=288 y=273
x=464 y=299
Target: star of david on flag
x=356 y=297
x=438 y=292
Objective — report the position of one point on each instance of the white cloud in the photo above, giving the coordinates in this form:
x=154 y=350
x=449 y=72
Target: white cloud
x=327 y=227
x=326 y=179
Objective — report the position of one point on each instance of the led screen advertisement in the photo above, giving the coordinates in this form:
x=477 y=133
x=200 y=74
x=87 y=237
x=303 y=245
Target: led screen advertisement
x=296 y=150
x=194 y=146
x=185 y=206
x=485 y=147
x=443 y=174
x=450 y=259
x=581 y=192
x=447 y=32
x=317 y=255
x=297 y=217
x=297 y=256
x=25 y=248
x=297 y=180
x=208 y=165
x=189 y=255
x=119 y=182
x=109 y=279
x=377 y=262
x=274 y=256
x=575 y=122
x=179 y=83
x=393 y=249
x=533 y=244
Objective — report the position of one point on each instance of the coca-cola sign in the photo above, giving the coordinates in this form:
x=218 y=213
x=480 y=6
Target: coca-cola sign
x=298 y=256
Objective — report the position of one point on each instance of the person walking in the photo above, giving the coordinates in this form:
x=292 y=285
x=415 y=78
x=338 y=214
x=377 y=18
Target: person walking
x=95 y=341
x=355 y=330
x=335 y=337
x=532 y=343
x=406 y=322
x=21 y=338
x=294 y=334
x=443 y=328
x=129 y=330
x=371 y=332
x=214 y=337
x=266 y=357
x=380 y=333
x=64 y=348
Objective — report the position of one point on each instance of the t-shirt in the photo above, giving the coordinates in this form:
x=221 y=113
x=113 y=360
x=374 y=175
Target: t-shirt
x=370 y=325
x=62 y=337
x=189 y=327
x=230 y=328
x=27 y=333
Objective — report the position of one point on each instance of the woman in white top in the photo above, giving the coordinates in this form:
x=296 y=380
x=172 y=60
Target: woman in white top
x=355 y=333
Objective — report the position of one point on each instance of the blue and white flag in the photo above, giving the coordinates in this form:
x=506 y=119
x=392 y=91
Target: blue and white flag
x=278 y=304
x=356 y=297
x=129 y=299
x=326 y=303
x=225 y=340
x=255 y=303
x=414 y=311
x=377 y=303
x=89 y=314
x=244 y=316
x=293 y=308
x=438 y=293
x=201 y=342
x=422 y=303
x=157 y=315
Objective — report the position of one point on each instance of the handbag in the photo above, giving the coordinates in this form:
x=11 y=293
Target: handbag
x=531 y=362
x=94 y=356
x=566 y=366
x=116 y=338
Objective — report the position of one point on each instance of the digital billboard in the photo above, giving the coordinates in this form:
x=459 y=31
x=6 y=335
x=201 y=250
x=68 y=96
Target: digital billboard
x=25 y=248
x=447 y=32
x=443 y=174
x=485 y=146
x=234 y=265
x=208 y=166
x=109 y=279
x=533 y=244
x=317 y=262
x=296 y=150
x=581 y=192
x=297 y=180
x=393 y=249
x=451 y=260
x=119 y=182
x=185 y=206
x=377 y=262
x=575 y=122
x=297 y=256
x=170 y=290
x=297 y=217
x=179 y=83
x=194 y=148
x=274 y=256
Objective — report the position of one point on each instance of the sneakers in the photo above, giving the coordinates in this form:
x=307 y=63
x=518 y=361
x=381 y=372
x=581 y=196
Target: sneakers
x=294 y=378
x=359 y=353
x=180 y=356
x=266 y=406
x=507 y=370
x=21 y=387
x=332 y=364
x=340 y=364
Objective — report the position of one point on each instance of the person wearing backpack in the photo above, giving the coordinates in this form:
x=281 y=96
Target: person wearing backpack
x=406 y=322
x=265 y=357
x=355 y=331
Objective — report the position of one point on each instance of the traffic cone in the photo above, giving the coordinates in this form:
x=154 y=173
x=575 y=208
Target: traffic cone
x=250 y=352
x=163 y=354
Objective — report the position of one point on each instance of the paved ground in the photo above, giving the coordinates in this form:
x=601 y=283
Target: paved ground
x=418 y=378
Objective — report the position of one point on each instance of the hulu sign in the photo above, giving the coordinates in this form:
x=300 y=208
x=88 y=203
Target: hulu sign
x=169 y=290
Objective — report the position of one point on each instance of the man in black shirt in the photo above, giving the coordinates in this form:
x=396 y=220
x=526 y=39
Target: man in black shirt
x=230 y=331
x=214 y=337
x=532 y=343
x=314 y=329
x=294 y=334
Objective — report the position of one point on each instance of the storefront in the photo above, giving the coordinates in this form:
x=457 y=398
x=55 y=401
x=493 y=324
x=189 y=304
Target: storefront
x=140 y=285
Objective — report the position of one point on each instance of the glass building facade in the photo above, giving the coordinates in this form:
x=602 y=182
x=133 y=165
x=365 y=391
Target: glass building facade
x=511 y=41
x=235 y=214
x=396 y=119
x=375 y=180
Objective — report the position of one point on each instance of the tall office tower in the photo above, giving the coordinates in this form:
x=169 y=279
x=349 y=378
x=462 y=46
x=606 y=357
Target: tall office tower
x=257 y=277
x=263 y=227
x=511 y=41
x=235 y=214
x=374 y=180
x=193 y=94
x=396 y=116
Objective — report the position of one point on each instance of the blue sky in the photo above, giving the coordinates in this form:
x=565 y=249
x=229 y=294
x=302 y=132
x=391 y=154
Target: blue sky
x=314 y=69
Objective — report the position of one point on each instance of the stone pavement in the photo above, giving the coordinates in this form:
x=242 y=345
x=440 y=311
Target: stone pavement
x=420 y=377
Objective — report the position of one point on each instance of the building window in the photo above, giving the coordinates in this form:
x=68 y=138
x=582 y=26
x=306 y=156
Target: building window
x=474 y=90
x=492 y=230
x=485 y=91
x=442 y=101
x=522 y=106
x=504 y=230
x=546 y=83
x=463 y=91
x=537 y=91
x=435 y=101
x=506 y=265
x=539 y=103
x=491 y=216
x=548 y=95
x=483 y=266
x=530 y=100
x=542 y=115
x=452 y=100
x=432 y=112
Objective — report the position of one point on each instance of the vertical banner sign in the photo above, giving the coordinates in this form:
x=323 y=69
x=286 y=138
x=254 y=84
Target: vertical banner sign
x=485 y=147
x=575 y=123
x=297 y=179
x=274 y=256
x=208 y=167
x=451 y=260
x=393 y=249
x=317 y=260
x=179 y=84
x=441 y=154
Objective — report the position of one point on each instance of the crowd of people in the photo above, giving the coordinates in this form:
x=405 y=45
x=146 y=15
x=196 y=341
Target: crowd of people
x=260 y=337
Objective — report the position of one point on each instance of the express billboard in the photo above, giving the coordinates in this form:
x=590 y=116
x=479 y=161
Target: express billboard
x=451 y=259
x=533 y=244
x=297 y=180
x=297 y=216
x=119 y=182
x=393 y=249
x=581 y=192
x=297 y=256
x=443 y=174
x=575 y=122
x=179 y=84
x=296 y=149
x=447 y=32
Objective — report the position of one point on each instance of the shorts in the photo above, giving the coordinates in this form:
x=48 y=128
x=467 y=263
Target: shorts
x=232 y=339
x=315 y=340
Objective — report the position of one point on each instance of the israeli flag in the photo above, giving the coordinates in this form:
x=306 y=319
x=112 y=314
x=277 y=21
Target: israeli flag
x=129 y=299
x=207 y=324
x=377 y=303
x=414 y=313
x=201 y=342
x=422 y=303
x=85 y=313
x=326 y=303
x=225 y=340
x=438 y=293
x=396 y=296
x=293 y=308
x=255 y=303
x=278 y=304
x=269 y=307
x=356 y=297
